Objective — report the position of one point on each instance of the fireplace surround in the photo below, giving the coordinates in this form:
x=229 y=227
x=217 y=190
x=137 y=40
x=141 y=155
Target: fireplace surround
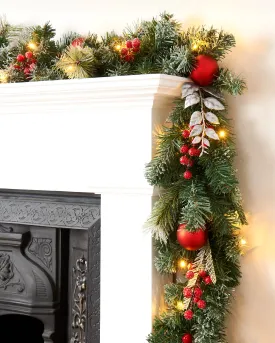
x=95 y=136
x=49 y=267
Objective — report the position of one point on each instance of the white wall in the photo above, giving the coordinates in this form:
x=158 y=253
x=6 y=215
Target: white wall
x=252 y=22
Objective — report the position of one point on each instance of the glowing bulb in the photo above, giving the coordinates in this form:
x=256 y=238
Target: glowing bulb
x=118 y=47
x=180 y=306
x=3 y=76
x=32 y=45
x=70 y=68
x=182 y=264
x=243 y=242
x=222 y=134
x=195 y=46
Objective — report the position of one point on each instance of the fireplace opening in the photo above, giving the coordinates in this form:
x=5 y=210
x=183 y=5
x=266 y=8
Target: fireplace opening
x=20 y=328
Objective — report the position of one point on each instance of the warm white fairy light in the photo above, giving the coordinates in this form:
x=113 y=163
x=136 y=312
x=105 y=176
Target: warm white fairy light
x=3 y=76
x=180 y=305
x=32 y=46
x=182 y=264
x=222 y=133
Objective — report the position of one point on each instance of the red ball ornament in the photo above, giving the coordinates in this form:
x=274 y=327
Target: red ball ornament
x=197 y=292
x=207 y=280
x=184 y=160
x=184 y=149
x=202 y=273
x=185 y=133
x=78 y=41
x=189 y=275
x=187 y=292
x=136 y=43
x=129 y=44
x=187 y=175
x=201 y=304
x=205 y=70
x=187 y=338
x=124 y=51
x=28 y=54
x=191 y=240
x=188 y=315
x=195 y=299
x=20 y=58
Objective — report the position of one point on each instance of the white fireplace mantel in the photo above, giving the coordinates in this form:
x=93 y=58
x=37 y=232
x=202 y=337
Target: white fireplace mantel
x=96 y=135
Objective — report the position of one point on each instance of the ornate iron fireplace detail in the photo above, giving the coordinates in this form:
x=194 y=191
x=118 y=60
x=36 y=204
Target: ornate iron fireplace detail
x=50 y=262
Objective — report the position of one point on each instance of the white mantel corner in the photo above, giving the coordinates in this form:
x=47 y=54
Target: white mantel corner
x=95 y=135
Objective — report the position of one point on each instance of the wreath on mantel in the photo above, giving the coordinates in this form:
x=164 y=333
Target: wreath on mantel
x=196 y=221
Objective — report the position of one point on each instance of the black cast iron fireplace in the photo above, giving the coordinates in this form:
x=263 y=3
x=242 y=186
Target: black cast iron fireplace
x=49 y=267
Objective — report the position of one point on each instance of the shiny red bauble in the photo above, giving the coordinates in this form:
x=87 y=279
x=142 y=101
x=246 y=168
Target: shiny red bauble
x=194 y=152
x=191 y=240
x=184 y=160
x=124 y=51
x=187 y=338
x=205 y=70
x=129 y=44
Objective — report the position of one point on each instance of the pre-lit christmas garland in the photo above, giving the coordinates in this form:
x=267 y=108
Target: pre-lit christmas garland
x=196 y=222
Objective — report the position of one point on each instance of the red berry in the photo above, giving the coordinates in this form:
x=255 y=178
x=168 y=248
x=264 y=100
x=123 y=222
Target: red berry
x=136 y=43
x=198 y=292
x=201 y=304
x=195 y=299
x=124 y=51
x=207 y=280
x=78 y=41
x=136 y=49
x=185 y=133
x=187 y=292
x=32 y=66
x=16 y=66
x=188 y=315
x=190 y=163
x=184 y=149
x=189 y=275
x=20 y=58
x=33 y=60
x=27 y=71
x=187 y=338
x=187 y=175
x=193 y=152
x=129 y=44
x=202 y=274
x=28 y=54
x=184 y=160
x=129 y=58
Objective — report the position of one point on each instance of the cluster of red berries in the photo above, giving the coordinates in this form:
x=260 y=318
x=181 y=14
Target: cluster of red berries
x=185 y=160
x=78 y=41
x=131 y=48
x=195 y=293
x=25 y=63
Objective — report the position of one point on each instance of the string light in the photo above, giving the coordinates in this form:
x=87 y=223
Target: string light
x=180 y=306
x=118 y=47
x=222 y=134
x=3 y=76
x=194 y=46
x=182 y=264
x=243 y=242
x=32 y=46
x=70 y=68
